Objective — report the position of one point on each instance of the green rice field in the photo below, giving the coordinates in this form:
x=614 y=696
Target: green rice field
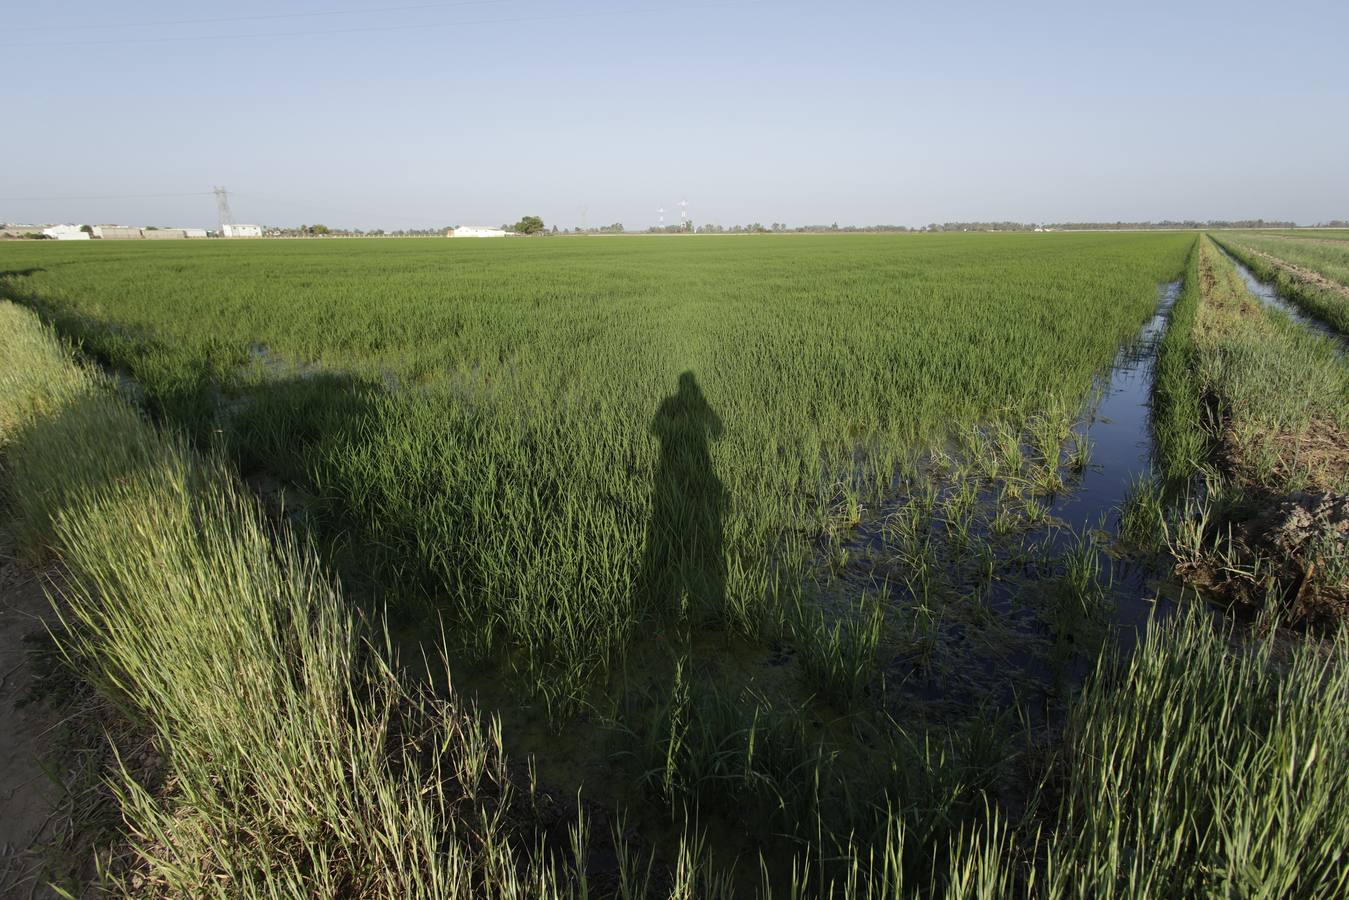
x=794 y=565
x=1326 y=253
x=485 y=422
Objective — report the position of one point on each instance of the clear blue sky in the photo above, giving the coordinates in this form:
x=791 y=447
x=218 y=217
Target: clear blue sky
x=802 y=112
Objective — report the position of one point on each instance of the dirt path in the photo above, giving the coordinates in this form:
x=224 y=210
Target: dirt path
x=29 y=799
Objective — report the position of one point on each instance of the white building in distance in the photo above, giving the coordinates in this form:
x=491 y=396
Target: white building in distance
x=170 y=234
x=136 y=233
x=233 y=231
x=476 y=231
x=117 y=232
x=66 y=233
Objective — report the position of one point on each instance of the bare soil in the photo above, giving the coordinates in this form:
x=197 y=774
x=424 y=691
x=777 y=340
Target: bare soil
x=1301 y=536
x=1291 y=535
x=60 y=744
x=29 y=798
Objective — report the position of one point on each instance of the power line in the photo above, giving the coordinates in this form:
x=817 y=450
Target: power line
x=322 y=208
x=102 y=197
x=224 y=213
x=381 y=28
x=296 y=15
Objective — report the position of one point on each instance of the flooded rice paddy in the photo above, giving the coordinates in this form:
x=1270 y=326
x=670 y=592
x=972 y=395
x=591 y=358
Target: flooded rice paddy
x=996 y=560
x=982 y=588
x=512 y=511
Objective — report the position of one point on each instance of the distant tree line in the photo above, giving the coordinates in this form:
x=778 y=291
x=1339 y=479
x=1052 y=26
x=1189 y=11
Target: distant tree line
x=534 y=225
x=1104 y=226
x=1167 y=223
x=757 y=228
x=783 y=228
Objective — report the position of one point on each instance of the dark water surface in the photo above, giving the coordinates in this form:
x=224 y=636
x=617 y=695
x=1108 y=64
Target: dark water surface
x=1120 y=430
x=999 y=623
x=1119 y=427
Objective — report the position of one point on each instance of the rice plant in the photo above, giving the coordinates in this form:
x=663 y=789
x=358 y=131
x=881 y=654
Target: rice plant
x=839 y=650
x=1227 y=767
x=493 y=440
x=563 y=451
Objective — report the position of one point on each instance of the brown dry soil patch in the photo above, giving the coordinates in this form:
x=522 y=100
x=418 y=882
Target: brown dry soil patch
x=60 y=823
x=1301 y=538
x=1305 y=533
x=1274 y=552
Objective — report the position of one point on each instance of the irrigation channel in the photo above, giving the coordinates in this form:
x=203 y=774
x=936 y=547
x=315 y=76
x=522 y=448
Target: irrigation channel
x=1268 y=295
x=998 y=590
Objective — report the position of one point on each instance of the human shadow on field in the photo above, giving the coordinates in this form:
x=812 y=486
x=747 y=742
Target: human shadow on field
x=19 y=273
x=684 y=562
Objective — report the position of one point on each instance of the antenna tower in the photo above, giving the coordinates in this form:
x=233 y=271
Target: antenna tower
x=222 y=205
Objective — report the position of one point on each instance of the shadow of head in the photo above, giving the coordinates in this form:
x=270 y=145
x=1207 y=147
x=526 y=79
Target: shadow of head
x=686 y=414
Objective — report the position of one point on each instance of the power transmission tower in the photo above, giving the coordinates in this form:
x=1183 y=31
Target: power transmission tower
x=683 y=215
x=660 y=213
x=222 y=205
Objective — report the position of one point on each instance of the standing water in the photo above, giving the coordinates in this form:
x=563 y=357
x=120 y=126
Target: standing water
x=1119 y=428
x=994 y=591
x=1269 y=297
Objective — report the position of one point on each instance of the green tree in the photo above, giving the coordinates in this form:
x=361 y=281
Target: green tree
x=528 y=225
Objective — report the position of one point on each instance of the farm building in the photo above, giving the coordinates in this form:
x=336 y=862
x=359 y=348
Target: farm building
x=238 y=231
x=476 y=231
x=117 y=232
x=66 y=233
x=132 y=233
x=172 y=234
